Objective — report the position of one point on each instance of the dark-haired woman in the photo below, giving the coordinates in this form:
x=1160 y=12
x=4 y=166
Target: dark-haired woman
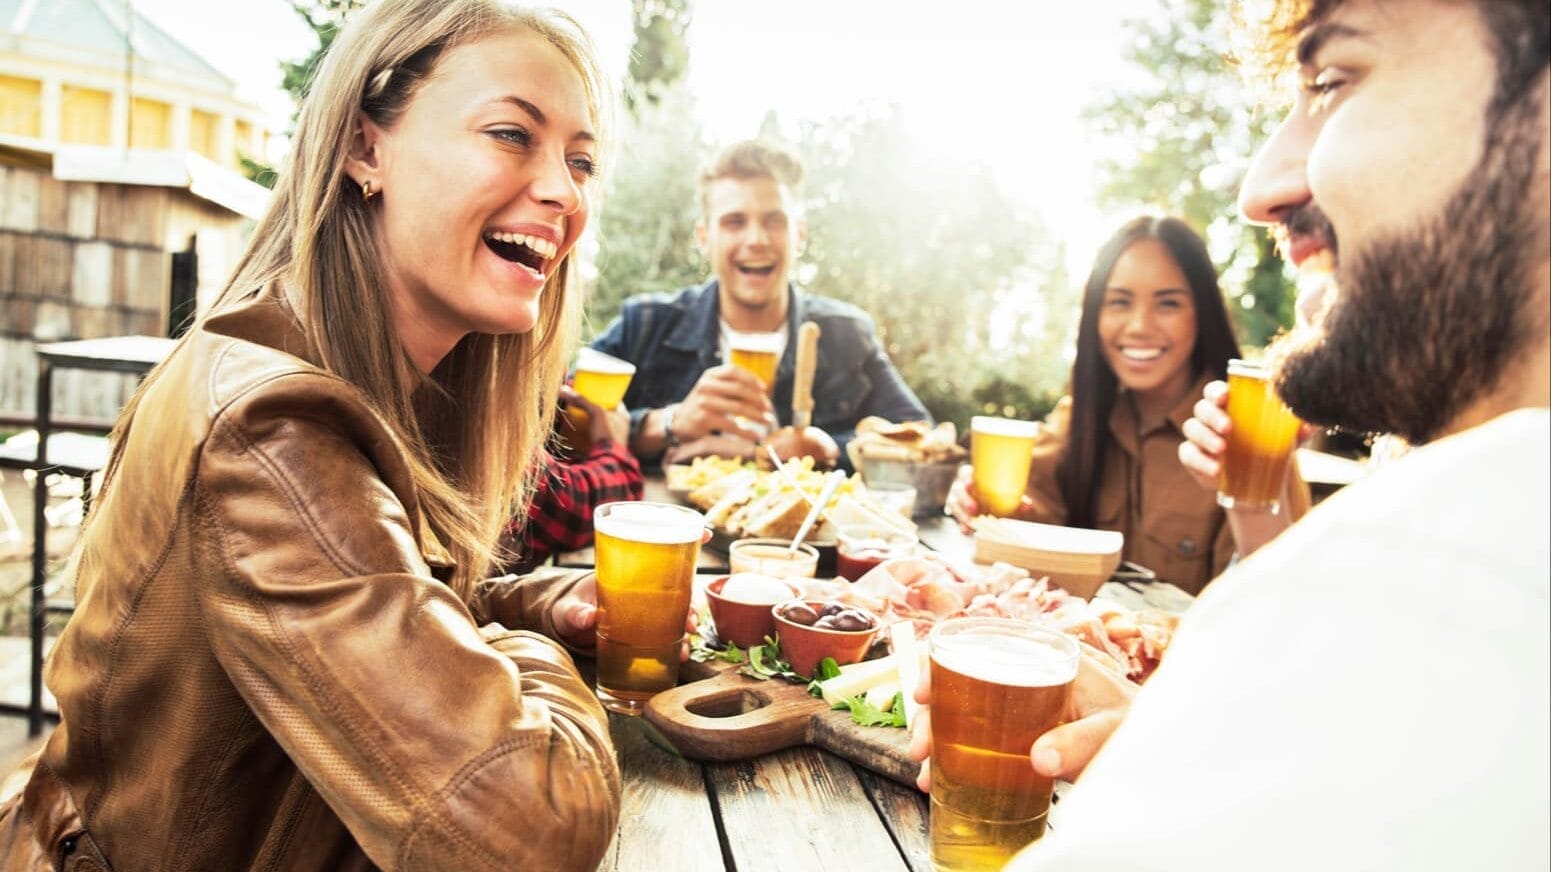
x=1154 y=332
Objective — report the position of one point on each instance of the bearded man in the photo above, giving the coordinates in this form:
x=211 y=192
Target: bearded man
x=1370 y=689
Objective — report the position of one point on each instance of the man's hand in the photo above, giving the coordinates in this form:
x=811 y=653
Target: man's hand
x=725 y=400
x=1099 y=702
x=1206 y=436
x=723 y=445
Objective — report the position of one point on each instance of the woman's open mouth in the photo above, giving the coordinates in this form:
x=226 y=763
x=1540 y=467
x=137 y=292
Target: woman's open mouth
x=530 y=251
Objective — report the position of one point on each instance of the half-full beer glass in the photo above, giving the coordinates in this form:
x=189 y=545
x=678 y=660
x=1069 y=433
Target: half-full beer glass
x=757 y=353
x=1001 y=451
x=646 y=562
x=1263 y=437
x=997 y=685
x=602 y=379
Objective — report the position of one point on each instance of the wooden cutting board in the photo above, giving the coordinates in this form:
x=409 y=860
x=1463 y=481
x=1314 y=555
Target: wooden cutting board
x=721 y=715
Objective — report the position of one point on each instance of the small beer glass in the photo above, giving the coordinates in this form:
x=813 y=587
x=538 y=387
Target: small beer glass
x=1001 y=450
x=646 y=556
x=1262 y=440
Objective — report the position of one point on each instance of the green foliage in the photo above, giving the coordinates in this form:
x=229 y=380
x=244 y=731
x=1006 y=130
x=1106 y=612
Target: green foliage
x=965 y=285
x=1180 y=140
x=661 y=55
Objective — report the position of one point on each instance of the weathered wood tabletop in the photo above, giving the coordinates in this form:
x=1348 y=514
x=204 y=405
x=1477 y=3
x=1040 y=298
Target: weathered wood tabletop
x=798 y=809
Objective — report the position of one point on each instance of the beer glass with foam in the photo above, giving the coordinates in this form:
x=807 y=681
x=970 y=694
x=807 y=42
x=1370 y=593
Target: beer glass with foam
x=1262 y=440
x=602 y=379
x=757 y=353
x=997 y=685
x=646 y=555
x=1001 y=451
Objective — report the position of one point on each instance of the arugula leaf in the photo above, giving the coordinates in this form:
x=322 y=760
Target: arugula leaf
x=871 y=716
x=700 y=652
x=828 y=669
x=765 y=662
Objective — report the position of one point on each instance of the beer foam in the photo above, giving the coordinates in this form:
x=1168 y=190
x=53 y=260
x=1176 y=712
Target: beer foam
x=1007 y=658
x=768 y=342
x=653 y=523
x=1003 y=427
x=594 y=360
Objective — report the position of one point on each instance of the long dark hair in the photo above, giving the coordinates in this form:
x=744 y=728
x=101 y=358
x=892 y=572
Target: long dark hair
x=1094 y=385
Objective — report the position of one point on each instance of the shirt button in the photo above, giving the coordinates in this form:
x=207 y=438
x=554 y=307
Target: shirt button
x=1187 y=547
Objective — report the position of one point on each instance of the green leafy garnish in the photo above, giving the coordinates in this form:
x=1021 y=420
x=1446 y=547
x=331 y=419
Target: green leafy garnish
x=765 y=662
x=700 y=652
x=826 y=670
x=868 y=715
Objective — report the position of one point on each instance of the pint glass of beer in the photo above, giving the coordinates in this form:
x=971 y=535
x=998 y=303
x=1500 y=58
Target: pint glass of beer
x=646 y=562
x=1001 y=451
x=1264 y=434
x=997 y=685
x=602 y=379
x=757 y=353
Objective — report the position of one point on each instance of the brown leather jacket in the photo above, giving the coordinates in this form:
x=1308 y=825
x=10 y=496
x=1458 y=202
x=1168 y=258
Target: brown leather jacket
x=263 y=672
x=1172 y=525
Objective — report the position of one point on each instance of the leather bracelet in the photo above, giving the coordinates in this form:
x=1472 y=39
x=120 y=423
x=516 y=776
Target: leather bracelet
x=667 y=425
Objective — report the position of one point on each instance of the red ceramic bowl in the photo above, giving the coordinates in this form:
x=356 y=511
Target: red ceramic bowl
x=744 y=624
x=803 y=647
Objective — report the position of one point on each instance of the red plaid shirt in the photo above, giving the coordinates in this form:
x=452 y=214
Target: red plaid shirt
x=560 y=517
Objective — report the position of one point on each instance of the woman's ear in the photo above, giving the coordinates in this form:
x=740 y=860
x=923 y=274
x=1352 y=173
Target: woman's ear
x=364 y=161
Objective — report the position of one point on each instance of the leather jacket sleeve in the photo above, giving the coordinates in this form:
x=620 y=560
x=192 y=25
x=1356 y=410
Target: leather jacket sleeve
x=439 y=747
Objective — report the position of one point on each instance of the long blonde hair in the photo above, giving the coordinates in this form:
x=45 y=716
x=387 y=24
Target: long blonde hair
x=474 y=427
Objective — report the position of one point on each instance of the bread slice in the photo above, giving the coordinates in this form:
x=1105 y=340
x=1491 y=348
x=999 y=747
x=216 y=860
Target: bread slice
x=847 y=509
x=777 y=515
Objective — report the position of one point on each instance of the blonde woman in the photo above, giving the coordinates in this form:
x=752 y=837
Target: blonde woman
x=284 y=656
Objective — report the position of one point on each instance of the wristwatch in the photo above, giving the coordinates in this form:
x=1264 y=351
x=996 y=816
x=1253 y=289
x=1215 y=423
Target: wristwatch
x=667 y=425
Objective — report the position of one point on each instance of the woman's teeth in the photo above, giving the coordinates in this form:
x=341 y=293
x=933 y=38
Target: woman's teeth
x=530 y=251
x=540 y=246
x=1141 y=353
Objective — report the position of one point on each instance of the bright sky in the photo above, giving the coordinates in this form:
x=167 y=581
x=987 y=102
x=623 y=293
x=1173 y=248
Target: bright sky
x=994 y=81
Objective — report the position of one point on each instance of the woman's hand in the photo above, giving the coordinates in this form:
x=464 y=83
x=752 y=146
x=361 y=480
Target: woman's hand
x=575 y=613
x=601 y=423
x=961 y=504
x=1099 y=702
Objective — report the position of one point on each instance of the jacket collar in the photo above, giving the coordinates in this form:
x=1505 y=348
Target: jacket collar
x=700 y=330
x=267 y=318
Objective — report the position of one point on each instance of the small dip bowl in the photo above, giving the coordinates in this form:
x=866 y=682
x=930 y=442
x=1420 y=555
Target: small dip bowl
x=804 y=646
x=746 y=620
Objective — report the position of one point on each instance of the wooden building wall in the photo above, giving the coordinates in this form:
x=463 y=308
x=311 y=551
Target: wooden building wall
x=85 y=260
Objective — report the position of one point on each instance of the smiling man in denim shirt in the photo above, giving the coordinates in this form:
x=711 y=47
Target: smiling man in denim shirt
x=686 y=399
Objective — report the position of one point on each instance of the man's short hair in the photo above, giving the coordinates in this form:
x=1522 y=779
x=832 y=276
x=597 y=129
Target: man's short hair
x=752 y=159
x=1520 y=32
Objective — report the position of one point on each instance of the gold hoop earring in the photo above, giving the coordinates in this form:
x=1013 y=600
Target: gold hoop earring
x=366 y=191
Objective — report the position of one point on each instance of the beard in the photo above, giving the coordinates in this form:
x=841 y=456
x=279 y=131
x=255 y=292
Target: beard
x=1426 y=321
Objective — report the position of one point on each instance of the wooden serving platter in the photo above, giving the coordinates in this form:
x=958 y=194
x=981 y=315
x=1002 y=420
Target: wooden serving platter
x=721 y=715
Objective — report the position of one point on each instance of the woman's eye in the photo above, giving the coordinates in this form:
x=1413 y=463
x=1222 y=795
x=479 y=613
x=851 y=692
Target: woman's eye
x=513 y=135
x=1117 y=303
x=585 y=165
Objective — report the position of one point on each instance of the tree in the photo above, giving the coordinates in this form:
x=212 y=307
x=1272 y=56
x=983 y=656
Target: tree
x=646 y=217
x=1179 y=144
x=325 y=17
x=965 y=285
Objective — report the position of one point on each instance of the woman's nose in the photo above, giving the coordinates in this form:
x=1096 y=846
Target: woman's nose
x=554 y=185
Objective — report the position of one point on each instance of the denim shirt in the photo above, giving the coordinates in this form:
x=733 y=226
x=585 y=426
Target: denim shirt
x=672 y=339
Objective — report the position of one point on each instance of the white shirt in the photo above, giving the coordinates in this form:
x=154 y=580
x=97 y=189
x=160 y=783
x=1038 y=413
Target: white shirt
x=1370 y=691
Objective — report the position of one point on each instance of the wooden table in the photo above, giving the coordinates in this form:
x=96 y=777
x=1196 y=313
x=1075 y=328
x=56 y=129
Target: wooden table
x=802 y=808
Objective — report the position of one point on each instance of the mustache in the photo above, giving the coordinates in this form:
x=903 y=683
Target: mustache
x=1307 y=220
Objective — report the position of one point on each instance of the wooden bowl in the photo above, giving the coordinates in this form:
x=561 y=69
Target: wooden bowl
x=744 y=624
x=803 y=647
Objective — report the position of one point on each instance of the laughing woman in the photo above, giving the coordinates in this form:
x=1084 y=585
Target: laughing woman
x=1154 y=331
x=284 y=656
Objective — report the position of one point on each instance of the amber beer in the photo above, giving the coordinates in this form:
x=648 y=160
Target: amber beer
x=1001 y=451
x=1264 y=434
x=997 y=685
x=757 y=353
x=602 y=379
x=646 y=555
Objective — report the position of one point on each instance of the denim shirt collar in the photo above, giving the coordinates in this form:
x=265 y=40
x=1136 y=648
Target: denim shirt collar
x=700 y=331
